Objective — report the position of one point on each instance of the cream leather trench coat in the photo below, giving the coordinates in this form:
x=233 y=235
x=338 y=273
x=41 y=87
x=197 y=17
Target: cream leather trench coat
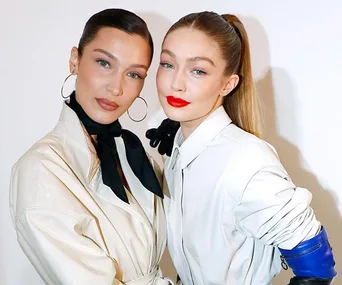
x=71 y=226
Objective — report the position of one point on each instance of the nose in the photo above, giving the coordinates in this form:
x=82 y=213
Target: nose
x=114 y=87
x=178 y=82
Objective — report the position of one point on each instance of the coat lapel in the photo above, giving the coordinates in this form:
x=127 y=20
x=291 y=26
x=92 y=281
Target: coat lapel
x=81 y=160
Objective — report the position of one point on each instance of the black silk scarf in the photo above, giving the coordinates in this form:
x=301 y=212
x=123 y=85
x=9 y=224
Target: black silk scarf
x=108 y=155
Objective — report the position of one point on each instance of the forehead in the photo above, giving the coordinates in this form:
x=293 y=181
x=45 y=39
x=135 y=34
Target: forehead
x=128 y=48
x=189 y=42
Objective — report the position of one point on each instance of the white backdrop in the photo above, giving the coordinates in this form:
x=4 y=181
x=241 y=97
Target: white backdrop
x=297 y=62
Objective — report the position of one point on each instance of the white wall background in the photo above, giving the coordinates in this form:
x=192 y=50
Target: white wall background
x=297 y=61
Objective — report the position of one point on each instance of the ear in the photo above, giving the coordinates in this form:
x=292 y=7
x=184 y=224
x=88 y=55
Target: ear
x=74 y=61
x=230 y=83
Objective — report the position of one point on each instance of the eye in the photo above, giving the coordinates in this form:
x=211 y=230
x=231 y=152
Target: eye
x=103 y=63
x=166 y=65
x=198 y=72
x=134 y=75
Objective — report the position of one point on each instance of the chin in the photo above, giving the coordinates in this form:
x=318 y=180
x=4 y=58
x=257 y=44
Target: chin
x=104 y=119
x=176 y=114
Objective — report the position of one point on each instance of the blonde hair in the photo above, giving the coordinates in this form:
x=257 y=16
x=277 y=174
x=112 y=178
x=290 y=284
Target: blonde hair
x=242 y=104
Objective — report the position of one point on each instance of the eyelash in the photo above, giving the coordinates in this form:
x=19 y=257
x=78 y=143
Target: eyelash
x=106 y=64
x=103 y=63
x=134 y=75
x=200 y=72
x=197 y=72
x=166 y=65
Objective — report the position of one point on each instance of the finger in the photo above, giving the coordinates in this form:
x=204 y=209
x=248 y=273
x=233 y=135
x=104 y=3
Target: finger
x=150 y=133
x=154 y=141
x=161 y=130
x=162 y=148
x=169 y=148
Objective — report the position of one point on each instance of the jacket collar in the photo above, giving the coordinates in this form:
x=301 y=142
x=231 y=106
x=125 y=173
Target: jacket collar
x=77 y=146
x=200 y=138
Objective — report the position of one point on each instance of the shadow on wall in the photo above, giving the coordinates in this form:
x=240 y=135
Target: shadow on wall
x=276 y=88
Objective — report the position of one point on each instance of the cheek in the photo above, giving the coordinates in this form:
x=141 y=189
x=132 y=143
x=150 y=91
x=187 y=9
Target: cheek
x=203 y=90
x=131 y=90
x=198 y=89
x=89 y=77
x=162 y=80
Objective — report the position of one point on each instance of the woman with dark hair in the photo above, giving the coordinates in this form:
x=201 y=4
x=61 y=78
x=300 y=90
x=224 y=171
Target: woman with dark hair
x=85 y=200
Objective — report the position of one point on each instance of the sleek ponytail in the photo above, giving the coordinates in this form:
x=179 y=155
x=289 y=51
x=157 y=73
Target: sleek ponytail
x=242 y=105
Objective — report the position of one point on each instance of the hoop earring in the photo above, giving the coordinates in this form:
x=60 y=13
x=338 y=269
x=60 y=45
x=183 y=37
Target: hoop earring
x=62 y=88
x=137 y=121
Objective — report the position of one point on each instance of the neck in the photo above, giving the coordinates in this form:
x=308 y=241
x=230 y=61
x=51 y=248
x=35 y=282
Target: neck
x=188 y=127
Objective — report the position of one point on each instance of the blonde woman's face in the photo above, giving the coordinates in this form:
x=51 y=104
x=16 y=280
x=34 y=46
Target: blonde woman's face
x=191 y=81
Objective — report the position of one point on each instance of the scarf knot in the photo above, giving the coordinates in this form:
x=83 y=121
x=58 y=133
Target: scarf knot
x=107 y=153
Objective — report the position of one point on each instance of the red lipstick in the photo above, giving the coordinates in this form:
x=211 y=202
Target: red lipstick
x=176 y=102
x=107 y=104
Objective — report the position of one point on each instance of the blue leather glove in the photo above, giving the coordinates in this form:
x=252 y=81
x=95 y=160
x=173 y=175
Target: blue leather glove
x=311 y=261
x=163 y=136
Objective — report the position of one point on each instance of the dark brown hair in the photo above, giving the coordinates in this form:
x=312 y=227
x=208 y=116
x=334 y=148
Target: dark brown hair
x=121 y=19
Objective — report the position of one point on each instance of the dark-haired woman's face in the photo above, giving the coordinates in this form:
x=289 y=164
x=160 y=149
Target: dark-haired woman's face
x=110 y=73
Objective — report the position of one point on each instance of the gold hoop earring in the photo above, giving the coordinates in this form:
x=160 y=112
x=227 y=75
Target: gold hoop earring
x=137 y=121
x=62 y=88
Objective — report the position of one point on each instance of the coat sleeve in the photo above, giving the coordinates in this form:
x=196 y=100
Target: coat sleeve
x=54 y=244
x=49 y=232
x=271 y=208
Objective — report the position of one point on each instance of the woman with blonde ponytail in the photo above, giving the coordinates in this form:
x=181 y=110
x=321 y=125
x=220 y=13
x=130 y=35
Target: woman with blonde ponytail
x=234 y=215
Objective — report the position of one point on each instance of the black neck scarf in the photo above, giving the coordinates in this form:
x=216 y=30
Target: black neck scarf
x=108 y=155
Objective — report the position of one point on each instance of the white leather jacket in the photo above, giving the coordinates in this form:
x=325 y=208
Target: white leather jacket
x=231 y=204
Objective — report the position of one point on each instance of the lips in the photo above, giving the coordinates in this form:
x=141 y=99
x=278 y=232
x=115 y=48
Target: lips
x=176 y=102
x=107 y=104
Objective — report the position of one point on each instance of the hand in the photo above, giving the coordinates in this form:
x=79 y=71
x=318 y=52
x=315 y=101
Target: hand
x=164 y=135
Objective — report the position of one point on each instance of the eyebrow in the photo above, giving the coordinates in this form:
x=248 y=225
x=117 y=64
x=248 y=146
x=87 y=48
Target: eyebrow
x=195 y=58
x=113 y=57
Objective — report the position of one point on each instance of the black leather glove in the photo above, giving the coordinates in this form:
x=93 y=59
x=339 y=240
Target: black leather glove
x=309 y=281
x=164 y=135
